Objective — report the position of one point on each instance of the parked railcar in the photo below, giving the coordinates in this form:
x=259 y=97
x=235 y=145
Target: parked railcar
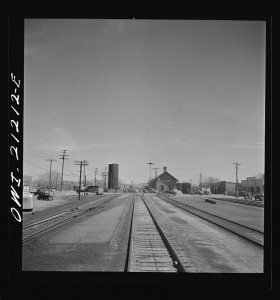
x=99 y=191
x=27 y=201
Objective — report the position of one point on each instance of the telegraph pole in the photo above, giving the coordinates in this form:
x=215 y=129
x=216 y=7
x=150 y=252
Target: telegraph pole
x=156 y=177
x=50 y=160
x=105 y=174
x=236 y=175
x=56 y=181
x=150 y=163
x=95 y=172
x=85 y=163
x=102 y=179
x=79 y=163
x=63 y=157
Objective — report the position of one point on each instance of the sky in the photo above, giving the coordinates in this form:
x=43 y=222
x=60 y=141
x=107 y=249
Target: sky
x=185 y=94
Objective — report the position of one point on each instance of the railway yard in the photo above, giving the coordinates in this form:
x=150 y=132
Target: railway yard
x=135 y=232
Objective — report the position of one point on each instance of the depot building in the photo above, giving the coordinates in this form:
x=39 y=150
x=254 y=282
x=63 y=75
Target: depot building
x=164 y=182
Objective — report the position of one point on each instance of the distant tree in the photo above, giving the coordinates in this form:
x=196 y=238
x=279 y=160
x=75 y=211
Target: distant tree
x=194 y=187
x=208 y=181
x=43 y=179
x=68 y=185
x=260 y=176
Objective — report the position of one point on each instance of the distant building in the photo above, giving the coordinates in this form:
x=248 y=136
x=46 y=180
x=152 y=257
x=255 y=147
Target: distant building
x=253 y=185
x=250 y=185
x=113 y=176
x=224 y=187
x=184 y=187
x=27 y=180
x=164 y=182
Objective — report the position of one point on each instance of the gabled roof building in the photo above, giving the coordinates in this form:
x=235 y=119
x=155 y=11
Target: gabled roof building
x=164 y=182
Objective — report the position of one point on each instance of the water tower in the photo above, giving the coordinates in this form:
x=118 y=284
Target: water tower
x=113 y=176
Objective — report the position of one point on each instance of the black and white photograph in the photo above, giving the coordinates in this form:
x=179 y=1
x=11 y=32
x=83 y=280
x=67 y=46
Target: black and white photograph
x=144 y=146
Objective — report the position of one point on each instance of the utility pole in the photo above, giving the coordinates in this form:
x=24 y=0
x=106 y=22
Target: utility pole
x=150 y=163
x=85 y=163
x=236 y=175
x=63 y=157
x=104 y=174
x=95 y=172
x=79 y=163
x=102 y=179
x=50 y=160
x=200 y=180
x=56 y=181
x=156 y=177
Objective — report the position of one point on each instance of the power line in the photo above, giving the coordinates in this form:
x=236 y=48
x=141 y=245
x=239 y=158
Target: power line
x=156 y=171
x=197 y=168
x=85 y=163
x=68 y=175
x=236 y=174
x=79 y=163
x=56 y=180
x=42 y=153
x=28 y=152
x=95 y=172
x=63 y=158
x=50 y=160
x=150 y=163
x=35 y=165
x=70 y=172
x=156 y=177
x=37 y=152
x=251 y=165
x=104 y=174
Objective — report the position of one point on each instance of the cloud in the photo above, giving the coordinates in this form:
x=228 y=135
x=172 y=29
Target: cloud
x=56 y=139
x=30 y=50
x=242 y=145
x=184 y=141
x=167 y=126
x=34 y=33
x=36 y=51
x=100 y=145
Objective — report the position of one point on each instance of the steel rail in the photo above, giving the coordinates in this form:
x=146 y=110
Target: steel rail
x=62 y=222
x=46 y=220
x=62 y=218
x=128 y=264
x=72 y=210
x=228 y=220
x=186 y=206
x=176 y=258
x=175 y=263
x=148 y=252
x=255 y=203
x=128 y=256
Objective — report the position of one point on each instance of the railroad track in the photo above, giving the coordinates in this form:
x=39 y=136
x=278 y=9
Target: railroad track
x=240 y=201
x=150 y=250
x=251 y=234
x=37 y=228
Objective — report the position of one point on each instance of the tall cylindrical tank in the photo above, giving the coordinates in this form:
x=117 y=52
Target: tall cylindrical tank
x=113 y=176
